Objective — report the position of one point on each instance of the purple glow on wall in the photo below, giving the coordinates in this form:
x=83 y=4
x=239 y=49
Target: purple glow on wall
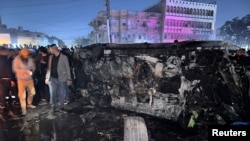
x=188 y=20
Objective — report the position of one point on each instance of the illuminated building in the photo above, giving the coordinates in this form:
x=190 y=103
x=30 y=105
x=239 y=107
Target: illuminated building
x=128 y=27
x=11 y=37
x=5 y=38
x=165 y=21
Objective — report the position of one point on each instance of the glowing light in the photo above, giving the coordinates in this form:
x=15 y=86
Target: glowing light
x=5 y=38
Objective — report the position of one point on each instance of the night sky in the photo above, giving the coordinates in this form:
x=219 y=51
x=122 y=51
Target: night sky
x=69 y=19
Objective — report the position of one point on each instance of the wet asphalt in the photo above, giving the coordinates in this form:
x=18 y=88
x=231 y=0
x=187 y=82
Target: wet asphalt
x=83 y=122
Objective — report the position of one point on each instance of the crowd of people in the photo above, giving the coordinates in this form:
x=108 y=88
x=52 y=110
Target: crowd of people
x=33 y=77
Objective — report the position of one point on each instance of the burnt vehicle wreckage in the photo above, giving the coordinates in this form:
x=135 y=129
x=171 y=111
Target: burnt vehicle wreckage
x=191 y=82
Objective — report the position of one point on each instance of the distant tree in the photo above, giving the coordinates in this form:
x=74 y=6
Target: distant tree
x=237 y=30
x=81 y=41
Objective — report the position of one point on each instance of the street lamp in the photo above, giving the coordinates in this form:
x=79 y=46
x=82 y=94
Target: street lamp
x=248 y=27
x=108 y=22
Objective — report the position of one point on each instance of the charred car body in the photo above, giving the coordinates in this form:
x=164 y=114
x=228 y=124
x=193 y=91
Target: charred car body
x=199 y=81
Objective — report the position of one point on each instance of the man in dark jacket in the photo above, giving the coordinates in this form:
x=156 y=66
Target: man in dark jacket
x=42 y=64
x=7 y=82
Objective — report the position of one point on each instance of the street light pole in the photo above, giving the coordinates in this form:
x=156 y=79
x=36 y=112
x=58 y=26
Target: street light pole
x=108 y=22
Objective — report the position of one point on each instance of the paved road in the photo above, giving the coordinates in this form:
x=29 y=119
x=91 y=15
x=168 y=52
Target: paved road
x=83 y=122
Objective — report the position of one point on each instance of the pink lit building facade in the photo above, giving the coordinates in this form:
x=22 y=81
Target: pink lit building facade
x=185 y=20
x=127 y=27
x=166 y=21
x=134 y=27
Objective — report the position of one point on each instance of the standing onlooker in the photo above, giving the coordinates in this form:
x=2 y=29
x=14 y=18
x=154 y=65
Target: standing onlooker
x=66 y=51
x=42 y=65
x=7 y=82
x=24 y=67
x=59 y=76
